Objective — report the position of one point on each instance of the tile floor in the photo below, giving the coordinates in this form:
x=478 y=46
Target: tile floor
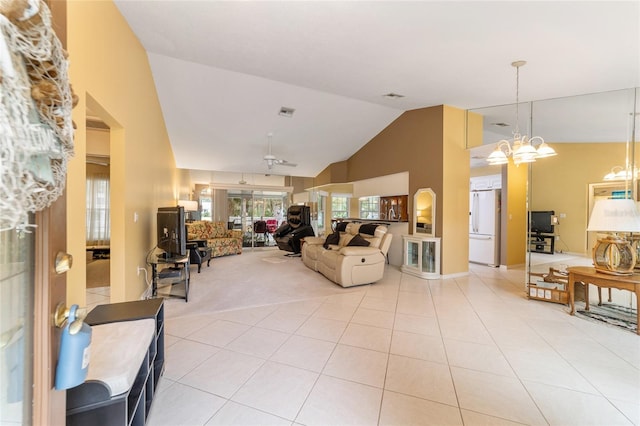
x=465 y=351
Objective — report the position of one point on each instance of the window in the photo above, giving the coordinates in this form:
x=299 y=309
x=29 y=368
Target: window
x=98 y=221
x=340 y=207
x=369 y=207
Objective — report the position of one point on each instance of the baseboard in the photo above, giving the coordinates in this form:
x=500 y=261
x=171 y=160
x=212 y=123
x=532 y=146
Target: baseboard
x=456 y=275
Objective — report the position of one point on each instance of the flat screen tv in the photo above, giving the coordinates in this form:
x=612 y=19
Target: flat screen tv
x=541 y=222
x=172 y=234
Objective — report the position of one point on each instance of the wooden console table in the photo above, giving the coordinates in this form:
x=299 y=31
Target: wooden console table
x=589 y=275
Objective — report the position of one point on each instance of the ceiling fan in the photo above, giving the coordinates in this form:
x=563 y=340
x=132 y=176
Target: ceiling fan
x=272 y=160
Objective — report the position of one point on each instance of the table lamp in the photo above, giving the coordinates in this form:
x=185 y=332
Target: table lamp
x=613 y=253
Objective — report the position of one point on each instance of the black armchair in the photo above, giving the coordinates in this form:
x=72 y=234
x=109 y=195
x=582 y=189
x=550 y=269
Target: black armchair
x=199 y=252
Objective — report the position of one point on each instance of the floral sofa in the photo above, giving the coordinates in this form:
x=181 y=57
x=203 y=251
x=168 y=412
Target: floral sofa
x=222 y=241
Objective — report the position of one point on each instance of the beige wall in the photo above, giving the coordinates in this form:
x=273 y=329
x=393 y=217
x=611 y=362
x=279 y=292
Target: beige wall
x=429 y=144
x=110 y=73
x=560 y=183
x=513 y=228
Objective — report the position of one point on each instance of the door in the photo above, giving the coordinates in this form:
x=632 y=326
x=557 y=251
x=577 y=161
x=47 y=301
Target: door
x=483 y=212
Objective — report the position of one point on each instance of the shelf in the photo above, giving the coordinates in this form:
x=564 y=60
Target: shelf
x=542 y=243
x=91 y=402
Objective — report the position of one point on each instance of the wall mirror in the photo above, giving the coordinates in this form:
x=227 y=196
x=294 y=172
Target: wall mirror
x=424 y=208
x=594 y=135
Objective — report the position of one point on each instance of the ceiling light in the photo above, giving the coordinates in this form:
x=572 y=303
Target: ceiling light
x=286 y=112
x=522 y=148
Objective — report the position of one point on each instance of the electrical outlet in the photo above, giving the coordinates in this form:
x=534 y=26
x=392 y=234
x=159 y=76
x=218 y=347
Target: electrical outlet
x=140 y=269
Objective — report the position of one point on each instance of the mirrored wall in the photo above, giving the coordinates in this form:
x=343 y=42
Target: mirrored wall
x=595 y=137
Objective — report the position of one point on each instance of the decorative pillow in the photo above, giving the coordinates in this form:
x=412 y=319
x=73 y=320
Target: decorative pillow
x=368 y=228
x=341 y=226
x=331 y=239
x=357 y=240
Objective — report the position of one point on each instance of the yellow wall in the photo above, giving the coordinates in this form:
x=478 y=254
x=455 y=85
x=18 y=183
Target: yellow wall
x=514 y=226
x=110 y=73
x=455 y=187
x=560 y=183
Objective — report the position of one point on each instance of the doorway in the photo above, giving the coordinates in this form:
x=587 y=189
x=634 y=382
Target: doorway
x=98 y=222
x=258 y=214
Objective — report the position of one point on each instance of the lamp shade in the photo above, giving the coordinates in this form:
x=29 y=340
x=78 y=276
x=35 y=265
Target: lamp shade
x=189 y=205
x=614 y=215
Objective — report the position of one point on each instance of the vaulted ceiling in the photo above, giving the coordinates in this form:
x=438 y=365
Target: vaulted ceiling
x=225 y=69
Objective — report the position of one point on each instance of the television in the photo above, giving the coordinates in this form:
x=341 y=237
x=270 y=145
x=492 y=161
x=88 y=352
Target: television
x=541 y=222
x=172 y=233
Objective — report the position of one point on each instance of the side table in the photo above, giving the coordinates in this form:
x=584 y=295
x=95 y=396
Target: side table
x=170 y=272
x=589 y=275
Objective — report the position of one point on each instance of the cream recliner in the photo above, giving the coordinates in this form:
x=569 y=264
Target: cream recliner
x=344 y=263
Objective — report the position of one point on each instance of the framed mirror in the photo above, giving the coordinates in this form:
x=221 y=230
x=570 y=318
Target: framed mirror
x=424 y=212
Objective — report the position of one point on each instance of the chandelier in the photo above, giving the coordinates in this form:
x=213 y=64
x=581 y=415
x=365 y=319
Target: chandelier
x=522 y=149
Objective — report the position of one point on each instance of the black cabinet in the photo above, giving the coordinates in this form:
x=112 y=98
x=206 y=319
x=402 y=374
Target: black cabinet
x=91 y=403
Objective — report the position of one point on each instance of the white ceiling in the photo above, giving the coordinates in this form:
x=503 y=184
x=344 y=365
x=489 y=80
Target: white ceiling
x=224 y=69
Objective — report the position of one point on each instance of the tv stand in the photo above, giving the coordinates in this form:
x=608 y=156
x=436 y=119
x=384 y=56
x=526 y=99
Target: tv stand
x=542 y=243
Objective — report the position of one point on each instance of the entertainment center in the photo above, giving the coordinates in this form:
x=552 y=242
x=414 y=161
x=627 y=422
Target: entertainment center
x=541 y=232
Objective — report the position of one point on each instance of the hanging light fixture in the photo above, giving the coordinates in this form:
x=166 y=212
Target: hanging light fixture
x=522 y=148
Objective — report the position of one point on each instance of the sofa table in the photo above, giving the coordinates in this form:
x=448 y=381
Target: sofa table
x=589 y=275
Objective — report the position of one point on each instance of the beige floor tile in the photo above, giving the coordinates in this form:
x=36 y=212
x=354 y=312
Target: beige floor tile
x=631 y=409
x=373 y=317
x=323 y=329
x=412 y=284
x=248 y=316
x=412 y=345
x=358 y=365
x=497 y=396
x=220 y=333
x=283 y=321
x=474 y=356
x=304 y=352
x=386 y=304
x=368 y=337
x=259 y=342
x=223 y=373
x=546 y=367
x=338 y=402
x=195 y=406
x=303 y=307
x=170 y=340
x=184 y=356
x=398 y=409
x=350 y=297
x=277 y=389
x=423 y=379
x=465 y=329
x=234 y=414
x=185 y=326
x=335 y=311
x=471 y=418
x=567 y=407
x=417 y=324
x=415 y=304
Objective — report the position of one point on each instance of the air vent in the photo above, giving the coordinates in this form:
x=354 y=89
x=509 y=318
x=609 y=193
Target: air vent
x=286 y=112
x=500 y=124
x=392 y=95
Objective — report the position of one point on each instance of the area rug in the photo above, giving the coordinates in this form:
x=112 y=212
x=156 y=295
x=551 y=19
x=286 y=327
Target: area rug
x=617 y=315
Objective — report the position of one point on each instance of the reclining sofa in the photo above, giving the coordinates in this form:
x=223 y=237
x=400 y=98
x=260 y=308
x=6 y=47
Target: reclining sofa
x=222 y=241
x=298 y=226
x=354 y=254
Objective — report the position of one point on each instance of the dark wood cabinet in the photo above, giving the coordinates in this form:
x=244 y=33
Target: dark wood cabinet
x=394 y=208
